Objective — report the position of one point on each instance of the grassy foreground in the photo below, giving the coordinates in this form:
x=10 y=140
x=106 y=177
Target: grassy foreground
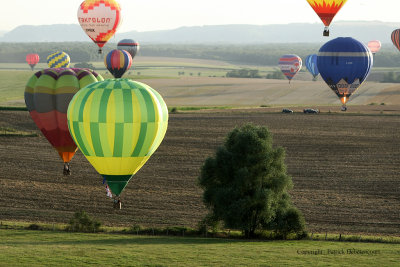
x=33 y=248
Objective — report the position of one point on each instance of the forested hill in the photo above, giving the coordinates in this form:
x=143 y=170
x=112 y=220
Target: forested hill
x=266 y=54
x=215 y=34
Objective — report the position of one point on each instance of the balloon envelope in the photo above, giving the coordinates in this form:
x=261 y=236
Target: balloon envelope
x=311 y=64
x=396 y=38
x=290 y=65
x=130 y=46
x=118 y=62
x=374 y=46
x=117 y=124
x=47 y=95
x=32 y=60
x=344 y=64
x=99 y=19
x=326 y=10
x=58 y=60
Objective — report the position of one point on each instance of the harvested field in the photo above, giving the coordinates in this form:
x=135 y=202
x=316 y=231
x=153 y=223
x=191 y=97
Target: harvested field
x=345 y=170
x=204 y=91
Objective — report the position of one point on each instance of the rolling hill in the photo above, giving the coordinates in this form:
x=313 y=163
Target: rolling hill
x=214 y=34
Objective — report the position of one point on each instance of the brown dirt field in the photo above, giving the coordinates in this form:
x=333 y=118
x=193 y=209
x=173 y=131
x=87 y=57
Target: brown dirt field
x=345 y=170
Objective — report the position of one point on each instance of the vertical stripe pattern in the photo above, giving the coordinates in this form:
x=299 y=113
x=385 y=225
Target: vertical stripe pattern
x=32 y=60
x=396 y=38
x=118 y=62
x=117 y=124
x=311 y=64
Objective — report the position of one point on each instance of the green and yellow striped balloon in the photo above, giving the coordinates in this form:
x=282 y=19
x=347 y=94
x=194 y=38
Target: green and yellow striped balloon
x=117 y=124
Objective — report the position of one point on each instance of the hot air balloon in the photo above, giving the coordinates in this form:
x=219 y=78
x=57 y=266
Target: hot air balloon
x=118 y=62
x=311 y=64
x=396 y=38
x=99 y=19
x=117 y=124
x=58 y=60
x=326 y=10
x=290 y=65
x=374 y=46
x=32 y=60
x=344 y=64
x=129 y=45
x=47 y=95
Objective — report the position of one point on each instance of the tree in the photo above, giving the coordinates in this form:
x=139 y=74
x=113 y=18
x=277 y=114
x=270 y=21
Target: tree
x=82 y=222
x=245 y=185
x=277 y=74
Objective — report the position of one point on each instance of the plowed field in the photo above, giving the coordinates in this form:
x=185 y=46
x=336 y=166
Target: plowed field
x=345 y=170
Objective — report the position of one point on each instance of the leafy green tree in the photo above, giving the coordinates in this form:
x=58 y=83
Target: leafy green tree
x=245 y=185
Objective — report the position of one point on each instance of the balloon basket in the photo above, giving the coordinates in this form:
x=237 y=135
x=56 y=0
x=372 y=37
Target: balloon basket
x=117 y=204
x=326 y=31
x=66 y=170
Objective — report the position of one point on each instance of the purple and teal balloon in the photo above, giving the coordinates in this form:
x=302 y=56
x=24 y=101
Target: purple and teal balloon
x=118 y=62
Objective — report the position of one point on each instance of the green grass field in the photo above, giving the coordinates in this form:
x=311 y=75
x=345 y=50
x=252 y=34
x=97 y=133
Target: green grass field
x=33 y=248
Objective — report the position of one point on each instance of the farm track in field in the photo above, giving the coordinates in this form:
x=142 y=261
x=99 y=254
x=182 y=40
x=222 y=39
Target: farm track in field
x=345 y=171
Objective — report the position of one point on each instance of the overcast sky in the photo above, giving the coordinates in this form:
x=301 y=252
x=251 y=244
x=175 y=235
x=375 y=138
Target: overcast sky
x=147 y=15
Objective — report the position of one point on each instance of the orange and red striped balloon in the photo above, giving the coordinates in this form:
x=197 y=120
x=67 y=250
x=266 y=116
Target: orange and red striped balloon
x=396 y=38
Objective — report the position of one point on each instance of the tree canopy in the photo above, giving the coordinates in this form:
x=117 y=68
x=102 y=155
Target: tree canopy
x=246 y=184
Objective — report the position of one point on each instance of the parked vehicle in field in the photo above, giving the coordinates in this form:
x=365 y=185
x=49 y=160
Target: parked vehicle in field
x=285 y=110
x=310 y=111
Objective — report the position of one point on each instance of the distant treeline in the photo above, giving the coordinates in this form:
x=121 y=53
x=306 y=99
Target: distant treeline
x=391 y=77
x=263 y=55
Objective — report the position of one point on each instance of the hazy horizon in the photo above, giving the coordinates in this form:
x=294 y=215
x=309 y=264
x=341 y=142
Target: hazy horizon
x=143 y=16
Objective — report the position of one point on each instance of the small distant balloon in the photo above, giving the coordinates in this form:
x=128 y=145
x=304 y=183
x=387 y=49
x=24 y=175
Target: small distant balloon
x=344 y=63
x=129 y=45
x=311 y=64
x=396 y=38
x=32 y=60
x=118 y=62
x=290 y=65
x=99 y=19
x=58 y=60
x=326 y=10
x=374 y=46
